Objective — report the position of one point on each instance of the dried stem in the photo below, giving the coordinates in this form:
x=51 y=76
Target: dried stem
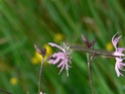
x=40 y=77
x=1 y=90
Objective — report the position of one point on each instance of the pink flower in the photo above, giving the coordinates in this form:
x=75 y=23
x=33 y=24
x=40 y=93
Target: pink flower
x=62 y=57
x=41 y=93
x=119 y=56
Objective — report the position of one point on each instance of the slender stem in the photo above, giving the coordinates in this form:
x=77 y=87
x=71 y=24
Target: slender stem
x=40 y=77
x=90 y=74
x=1 y=90
x=93 y=51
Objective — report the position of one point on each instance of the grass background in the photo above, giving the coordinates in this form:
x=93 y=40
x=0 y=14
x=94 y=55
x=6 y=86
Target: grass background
x=25 y=22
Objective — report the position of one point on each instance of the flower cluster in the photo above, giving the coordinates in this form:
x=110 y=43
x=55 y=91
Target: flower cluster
x=63 y=58
x=119 y=55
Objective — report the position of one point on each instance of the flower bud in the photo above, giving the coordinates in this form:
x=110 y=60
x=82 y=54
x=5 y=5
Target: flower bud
x=40 y=51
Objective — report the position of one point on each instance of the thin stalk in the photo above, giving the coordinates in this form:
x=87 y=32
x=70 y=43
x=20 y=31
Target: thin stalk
x=90 y=74
x=1 y=90
x=93 y=51
x=40 y=77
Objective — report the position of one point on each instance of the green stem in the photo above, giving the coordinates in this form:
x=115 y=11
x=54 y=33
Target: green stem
x=40 y=77
x=90 y=74
x=93 y=51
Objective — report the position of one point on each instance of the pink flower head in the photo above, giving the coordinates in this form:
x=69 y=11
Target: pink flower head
x=41 y=93
x=62 y=57
x=119 y=55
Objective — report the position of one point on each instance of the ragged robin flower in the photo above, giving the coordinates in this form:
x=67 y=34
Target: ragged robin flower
x=119 y=55
x=41 y=93
x=62 y=57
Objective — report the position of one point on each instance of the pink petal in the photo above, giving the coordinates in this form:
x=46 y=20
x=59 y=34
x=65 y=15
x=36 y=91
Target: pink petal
x=121 y=68
x=116 y=53
x=51 y=61
x=119 y=59
x=60 y=64
x=61 y=69
x=59 y=54
x=55 y=45
x=122 y=64
x=119 y=49
x=58 y=57
x=56 y=61
x=117 y=70
x=64 y=62
x=115 y=40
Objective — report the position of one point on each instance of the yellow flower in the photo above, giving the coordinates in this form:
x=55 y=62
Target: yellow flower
x=13 y=81
x=109 y=46
x=38 y=58
x=58 y=37
x=49 y=50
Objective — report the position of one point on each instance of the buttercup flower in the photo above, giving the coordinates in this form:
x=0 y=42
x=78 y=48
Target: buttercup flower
x=13 y=81
x=62 y=57
x=36 y=59
x=119 y=56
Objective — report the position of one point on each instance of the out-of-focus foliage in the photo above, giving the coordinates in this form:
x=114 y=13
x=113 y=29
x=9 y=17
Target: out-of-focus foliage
x=25 y=22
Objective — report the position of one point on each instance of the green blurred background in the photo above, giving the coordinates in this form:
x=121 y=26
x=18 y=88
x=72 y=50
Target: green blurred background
x=25 y=22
